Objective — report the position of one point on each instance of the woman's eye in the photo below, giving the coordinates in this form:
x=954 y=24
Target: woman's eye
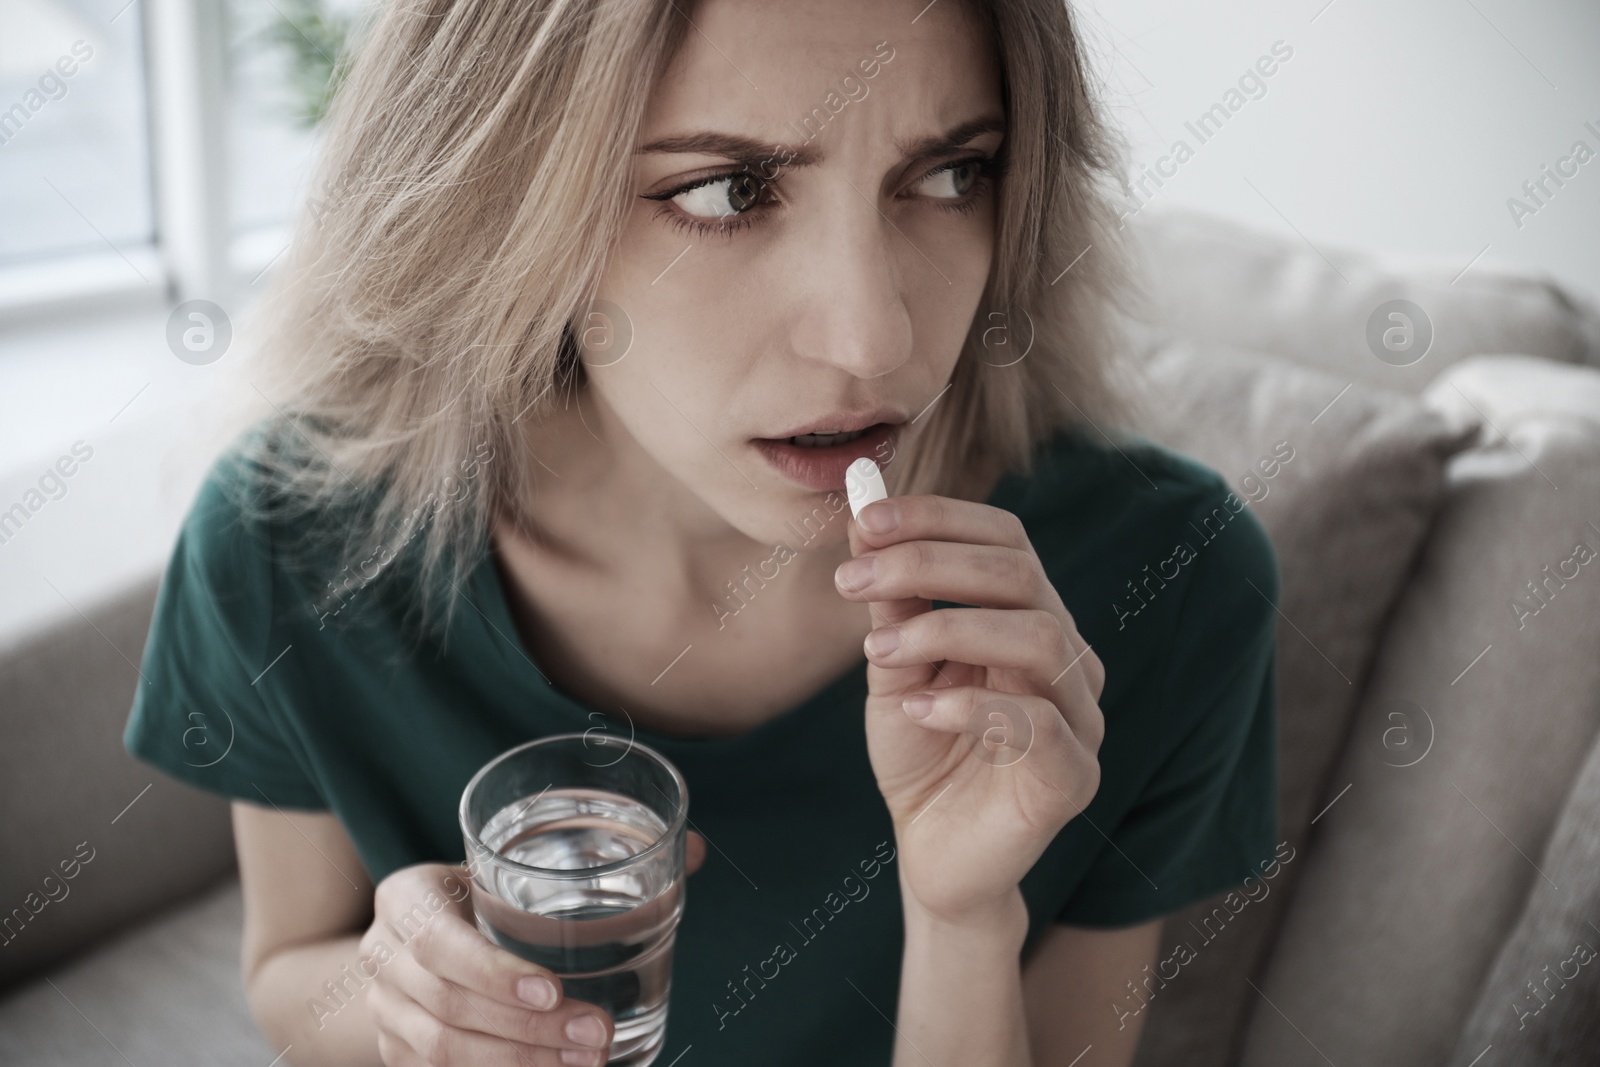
x=720 y=204
x=724 y=203
x=733 y=194
x=952 y=181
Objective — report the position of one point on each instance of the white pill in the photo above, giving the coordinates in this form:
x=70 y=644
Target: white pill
x=863 y=482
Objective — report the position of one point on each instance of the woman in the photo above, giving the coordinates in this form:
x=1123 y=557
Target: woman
x=598 y=301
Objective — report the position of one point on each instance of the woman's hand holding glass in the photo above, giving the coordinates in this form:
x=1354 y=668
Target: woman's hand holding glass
x=983 y=723
x=449 y=995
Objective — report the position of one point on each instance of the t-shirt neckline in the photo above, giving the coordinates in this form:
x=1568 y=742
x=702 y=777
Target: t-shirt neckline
x=496 y=615
x=526 y=673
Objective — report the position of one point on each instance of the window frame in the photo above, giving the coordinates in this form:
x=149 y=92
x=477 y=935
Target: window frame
x=192 y=253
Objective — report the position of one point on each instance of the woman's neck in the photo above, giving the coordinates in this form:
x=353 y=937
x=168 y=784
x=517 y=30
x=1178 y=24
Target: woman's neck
x=599 y=498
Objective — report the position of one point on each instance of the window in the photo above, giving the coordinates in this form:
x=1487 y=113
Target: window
x=158 y=149
x=74 y=144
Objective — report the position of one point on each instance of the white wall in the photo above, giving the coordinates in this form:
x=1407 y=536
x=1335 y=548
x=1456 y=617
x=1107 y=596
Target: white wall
x=1397 y=125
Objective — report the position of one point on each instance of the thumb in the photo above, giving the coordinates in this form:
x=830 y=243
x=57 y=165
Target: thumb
x=455 y=883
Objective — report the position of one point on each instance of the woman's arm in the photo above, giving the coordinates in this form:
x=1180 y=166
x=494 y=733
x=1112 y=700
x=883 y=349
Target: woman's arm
x=963 y=998
x=961 y=990
x=1073 y=986
x=983 y=726
x=307 y=900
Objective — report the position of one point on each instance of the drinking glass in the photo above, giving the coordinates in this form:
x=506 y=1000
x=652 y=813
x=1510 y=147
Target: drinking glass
x=575 y=846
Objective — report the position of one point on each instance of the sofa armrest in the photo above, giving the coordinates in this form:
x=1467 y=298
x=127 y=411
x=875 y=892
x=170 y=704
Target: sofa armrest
x=1483 y=701
x=93 y=840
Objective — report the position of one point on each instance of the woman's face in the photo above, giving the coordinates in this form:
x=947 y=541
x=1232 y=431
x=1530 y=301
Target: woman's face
x=835 y=297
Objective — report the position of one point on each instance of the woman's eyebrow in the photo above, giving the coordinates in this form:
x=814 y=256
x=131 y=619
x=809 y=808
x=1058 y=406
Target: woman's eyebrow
x=953 y=138
x=752 y=152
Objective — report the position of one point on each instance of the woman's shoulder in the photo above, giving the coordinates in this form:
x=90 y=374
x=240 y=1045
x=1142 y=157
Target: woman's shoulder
x=233 y=509
x=1121 y=464
x=249 y=541
x=238 y=513
x=216 y=633
x=297 y=542
x=1134 y=517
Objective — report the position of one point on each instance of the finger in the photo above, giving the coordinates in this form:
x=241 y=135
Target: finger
x=927 y=517
x=1030 y=642
x=987 y=576
x=395 y=1052
x=1005 y=727
x=918 y=572
x=410 y=887
x=994 y=717
x=883 y=610
x=573 y=1024
x=438 y=1044
x=892 y=613
x=694 y=852
x=452 y=948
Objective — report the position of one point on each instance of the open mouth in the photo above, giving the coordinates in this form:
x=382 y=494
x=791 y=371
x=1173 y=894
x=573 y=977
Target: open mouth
x=818 y=460
x=827 y=439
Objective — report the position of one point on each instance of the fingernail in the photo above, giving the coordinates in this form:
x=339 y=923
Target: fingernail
x=883 y=641
x=587 y=1030
x=880 y=516
x=540 y=992
x=919 y=705
x=578 y=1057
x=856 y=573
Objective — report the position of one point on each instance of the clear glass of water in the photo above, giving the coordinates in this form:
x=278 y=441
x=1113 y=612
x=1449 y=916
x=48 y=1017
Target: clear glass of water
x=575 y=845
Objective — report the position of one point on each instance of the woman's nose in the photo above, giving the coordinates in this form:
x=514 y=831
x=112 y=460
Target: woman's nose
x=850 y=271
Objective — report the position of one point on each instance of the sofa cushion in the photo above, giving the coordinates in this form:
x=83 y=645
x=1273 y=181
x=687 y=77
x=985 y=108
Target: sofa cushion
x=92 y=840
x=167 y=992
x=1510 y=389
x=1346 y=482
x=1483 y=701
x=1541 y=1001
x=1213 y=279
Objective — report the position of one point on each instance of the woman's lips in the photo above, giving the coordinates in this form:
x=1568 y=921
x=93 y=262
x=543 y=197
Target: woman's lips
x=823 y=466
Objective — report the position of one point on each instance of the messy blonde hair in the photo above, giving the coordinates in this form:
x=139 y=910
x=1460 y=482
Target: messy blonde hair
x=477 y=171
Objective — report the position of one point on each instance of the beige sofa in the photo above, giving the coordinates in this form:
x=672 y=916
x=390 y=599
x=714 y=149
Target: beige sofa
x=1439 y=675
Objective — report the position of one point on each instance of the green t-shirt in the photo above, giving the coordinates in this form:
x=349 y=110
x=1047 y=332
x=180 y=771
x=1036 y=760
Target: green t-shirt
x=790 y=943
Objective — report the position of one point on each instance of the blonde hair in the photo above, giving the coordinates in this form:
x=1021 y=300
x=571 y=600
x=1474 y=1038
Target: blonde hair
x=476 y=173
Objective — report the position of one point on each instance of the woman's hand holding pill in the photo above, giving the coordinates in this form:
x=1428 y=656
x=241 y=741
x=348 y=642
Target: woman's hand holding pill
x=983 y=723
x=442 y=993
